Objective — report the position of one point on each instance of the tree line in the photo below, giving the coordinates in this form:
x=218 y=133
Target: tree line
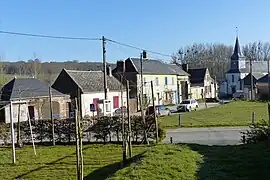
x=216 y=57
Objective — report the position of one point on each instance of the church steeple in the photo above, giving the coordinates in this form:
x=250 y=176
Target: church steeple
x=237 y=50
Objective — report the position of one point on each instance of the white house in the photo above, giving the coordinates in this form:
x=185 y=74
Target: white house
x=89 y=87
x=170 y=82
x=202 y=85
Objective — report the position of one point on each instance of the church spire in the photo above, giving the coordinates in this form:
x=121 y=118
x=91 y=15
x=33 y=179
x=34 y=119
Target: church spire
x=237 y=50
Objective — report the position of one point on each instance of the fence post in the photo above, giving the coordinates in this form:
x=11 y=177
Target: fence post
x=253 y=118
x=179 y=120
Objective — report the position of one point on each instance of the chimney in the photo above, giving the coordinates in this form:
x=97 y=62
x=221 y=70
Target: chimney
x=185 y=67
x=109 y=71
x=120 y=65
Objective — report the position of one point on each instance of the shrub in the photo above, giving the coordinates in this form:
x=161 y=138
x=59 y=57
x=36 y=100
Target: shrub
x=4 y=133
x=259 y=132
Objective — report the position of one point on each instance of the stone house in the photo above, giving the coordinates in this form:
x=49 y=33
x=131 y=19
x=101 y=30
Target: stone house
x=88 y=87
x=29 y=97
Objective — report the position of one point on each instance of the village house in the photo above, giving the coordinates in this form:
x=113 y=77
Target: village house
x=170 y=82
x=262 y=87
x=88 y=87
x=202 y=85
x=29 y=97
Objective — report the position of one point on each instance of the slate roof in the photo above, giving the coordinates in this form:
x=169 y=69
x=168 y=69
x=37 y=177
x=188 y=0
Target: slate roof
x=263 y=79
x=256 y=76
x=152 y=66
x=237 y=50
x=197 y=75
x=92 y=81
x=27 y=87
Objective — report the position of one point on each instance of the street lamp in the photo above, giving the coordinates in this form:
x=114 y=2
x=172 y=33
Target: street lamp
x=143 y=56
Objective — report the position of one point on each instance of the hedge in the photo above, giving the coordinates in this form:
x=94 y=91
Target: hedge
x=105 y=129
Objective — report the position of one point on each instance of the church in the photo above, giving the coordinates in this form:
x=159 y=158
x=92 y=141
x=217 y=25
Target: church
x=237 y=78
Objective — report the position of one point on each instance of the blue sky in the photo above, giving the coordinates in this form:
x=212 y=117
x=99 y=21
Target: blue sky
x=158 y=25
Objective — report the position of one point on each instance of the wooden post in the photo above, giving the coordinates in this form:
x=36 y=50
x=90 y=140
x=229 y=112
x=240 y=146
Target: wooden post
x=51 y=114
x=155 y=115
x=77 y=140
x=12 y=134
x=129 y=122
x=253 y=118
x=19 y=142
x=31 y=131
x=179 y=120
x=81 y=146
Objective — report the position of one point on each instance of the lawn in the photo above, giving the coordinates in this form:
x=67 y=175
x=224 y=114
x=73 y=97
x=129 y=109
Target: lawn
x=236 y=113
x=153 y=162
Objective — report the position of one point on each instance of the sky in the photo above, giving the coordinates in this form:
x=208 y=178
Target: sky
x=158 y=25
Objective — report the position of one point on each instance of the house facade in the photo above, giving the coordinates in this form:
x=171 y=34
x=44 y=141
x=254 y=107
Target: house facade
x=29 y=98
x=167 y=80
x=88 y=88
x=263 y=88
x=202 y=85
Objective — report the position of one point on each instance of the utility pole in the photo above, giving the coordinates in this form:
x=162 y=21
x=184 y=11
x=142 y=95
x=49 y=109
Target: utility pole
x=19 y=142
x=155 y=115
x=124 y=151
x=77 y=140
x=51 y=114
x=268 y=71
x=12 y=133
x=143 y=56
x=129 y=122
x=104 y=66
x=251 y=78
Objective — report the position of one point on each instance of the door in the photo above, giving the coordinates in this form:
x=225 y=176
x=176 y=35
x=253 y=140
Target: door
x=95 y=102
x=233 y=90
x=31 y=111
x=115 y=102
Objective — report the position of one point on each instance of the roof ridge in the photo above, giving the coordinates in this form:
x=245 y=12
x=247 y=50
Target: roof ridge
x=72 y=70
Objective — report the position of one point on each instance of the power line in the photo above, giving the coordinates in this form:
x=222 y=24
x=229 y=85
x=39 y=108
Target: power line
x=138 y=48
x=48 y=36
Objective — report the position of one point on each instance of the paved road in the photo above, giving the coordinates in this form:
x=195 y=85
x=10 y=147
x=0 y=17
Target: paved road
x=206 y=136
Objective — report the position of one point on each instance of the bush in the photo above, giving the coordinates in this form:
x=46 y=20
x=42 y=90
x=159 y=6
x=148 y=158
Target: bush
x=259 y=132
x=4 y=133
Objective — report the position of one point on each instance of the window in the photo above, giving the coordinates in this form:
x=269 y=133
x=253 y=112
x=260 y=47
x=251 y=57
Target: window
x=172 y=80
x=232 y=78
x=157 y=83
x=166 y=81
x=115 y=102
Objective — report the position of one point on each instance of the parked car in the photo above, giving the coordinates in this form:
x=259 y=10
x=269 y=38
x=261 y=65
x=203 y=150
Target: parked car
x=187 y=105
x=119 y=111
x=160 y=110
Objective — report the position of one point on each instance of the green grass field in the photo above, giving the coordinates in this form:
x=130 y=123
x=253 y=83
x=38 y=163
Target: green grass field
x=154 y=162
x=236 y=113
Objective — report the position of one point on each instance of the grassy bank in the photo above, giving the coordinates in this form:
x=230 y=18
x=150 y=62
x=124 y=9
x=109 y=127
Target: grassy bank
x=236 y=113
x=155 y=162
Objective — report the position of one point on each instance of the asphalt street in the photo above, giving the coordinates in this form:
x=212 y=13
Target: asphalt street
x=206 y=136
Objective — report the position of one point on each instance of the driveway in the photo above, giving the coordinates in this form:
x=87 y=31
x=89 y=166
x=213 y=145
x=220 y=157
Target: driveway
x=206 y=136
x=174 y=108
